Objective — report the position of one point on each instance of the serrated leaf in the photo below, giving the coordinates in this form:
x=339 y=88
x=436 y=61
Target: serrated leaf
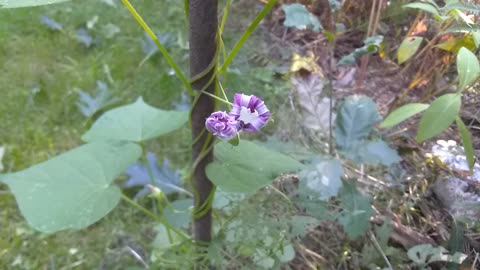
x=296 y=15
x=165 y=179
x=357 y=210
x=372 y=152
x=27 y=3
x=136 y=122
x=403 y=113
x=439 y=116
x=408 y=48
x=324 y=177
x=308 y=200
x=355 y=120
x=300 y=225
x=247 y=167
x=468 y=68
x=424 y=7
x=72 y=190
x=466 y=141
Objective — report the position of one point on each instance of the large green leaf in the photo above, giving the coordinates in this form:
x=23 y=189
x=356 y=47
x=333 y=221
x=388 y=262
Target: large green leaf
x=408 y=48
x=439 y=116
x=324 y=176
x=27 y=3
x=296 y=15
x=403 y=113
x=73 y=190
x=135 y=122
x=355 y=120
x=372 y=152
x=466 y=141
x=357 y=210
x=247 y=167
x=468 y=68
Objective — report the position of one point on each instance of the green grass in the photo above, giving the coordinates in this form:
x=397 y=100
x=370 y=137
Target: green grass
x=40 y=72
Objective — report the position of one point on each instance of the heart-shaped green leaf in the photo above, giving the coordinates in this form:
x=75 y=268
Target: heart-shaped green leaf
x=73 y=190
x=247 y=167
x=402 y=113
x=355 y=120
x=135 y=122
x=439 y=116
x=468 y=68
x=27 y=3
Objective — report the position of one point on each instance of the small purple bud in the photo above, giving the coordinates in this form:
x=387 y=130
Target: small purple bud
x=222 y=125
x=250 y=111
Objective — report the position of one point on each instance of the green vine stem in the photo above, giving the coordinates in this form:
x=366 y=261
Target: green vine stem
x=162 y=49
x=155 y=217
x=246 y=35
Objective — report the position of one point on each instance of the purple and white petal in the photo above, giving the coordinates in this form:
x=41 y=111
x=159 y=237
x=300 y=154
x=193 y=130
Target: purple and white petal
x=222 y=125
x=250 y=111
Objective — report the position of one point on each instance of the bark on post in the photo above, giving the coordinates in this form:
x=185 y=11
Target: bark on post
x=203 y=29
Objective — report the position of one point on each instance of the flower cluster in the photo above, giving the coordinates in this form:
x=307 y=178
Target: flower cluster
x=248 y=114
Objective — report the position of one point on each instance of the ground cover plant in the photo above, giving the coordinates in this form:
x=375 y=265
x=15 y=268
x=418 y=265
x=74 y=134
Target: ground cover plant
x=271 y=154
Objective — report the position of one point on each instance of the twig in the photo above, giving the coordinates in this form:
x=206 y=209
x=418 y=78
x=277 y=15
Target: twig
x=379 y=249
x=312 y=253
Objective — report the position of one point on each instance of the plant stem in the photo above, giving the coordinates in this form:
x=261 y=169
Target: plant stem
x=217 y=98
x=162 y=49
x=147 y=164
x=155 y=217
x=246 y=35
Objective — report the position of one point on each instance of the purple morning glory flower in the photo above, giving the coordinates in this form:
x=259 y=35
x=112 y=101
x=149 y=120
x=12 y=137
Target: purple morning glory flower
x=250 y=111
x=222 y=125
